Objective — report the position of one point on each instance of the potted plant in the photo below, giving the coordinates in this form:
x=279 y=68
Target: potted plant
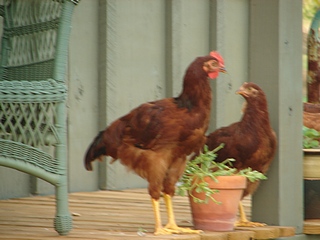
x=311 y=172
x=311 y=149
x=310 y=138
x=214 y=190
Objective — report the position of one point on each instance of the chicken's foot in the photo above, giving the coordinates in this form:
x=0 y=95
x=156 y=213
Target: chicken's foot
x=171 y=219
x=159 y=230
x=171 y=227
x=244 y=222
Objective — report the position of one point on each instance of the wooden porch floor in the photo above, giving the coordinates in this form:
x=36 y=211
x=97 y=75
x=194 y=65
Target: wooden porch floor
x=110 y=215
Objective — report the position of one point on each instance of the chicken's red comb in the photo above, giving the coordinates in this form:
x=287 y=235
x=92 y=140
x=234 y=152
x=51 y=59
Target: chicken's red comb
x=217 y=56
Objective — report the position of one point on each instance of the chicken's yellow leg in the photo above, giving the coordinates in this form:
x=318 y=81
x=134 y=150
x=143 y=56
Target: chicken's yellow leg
x=244 y=222
x=171 y=219
x=156 y=211
x=159 y=230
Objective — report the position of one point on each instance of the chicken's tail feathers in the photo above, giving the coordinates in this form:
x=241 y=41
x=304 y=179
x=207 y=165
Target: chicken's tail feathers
x=96 y=150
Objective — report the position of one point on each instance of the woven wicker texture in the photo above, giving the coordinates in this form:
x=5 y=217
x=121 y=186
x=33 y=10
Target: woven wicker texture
x=34 y=49
x=15 y=150
x=28 y=123
x=28 y=92
x=31 y=29
x=64 y=223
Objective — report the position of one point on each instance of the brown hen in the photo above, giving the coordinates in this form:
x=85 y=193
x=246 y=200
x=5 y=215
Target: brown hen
x=251 y=141
x=154 y=139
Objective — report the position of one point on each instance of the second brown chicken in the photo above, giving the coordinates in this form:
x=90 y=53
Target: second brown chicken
x=251 y=142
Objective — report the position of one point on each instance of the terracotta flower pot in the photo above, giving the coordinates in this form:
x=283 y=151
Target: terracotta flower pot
x=311 y=163
x=219 y=217
x=311 y=174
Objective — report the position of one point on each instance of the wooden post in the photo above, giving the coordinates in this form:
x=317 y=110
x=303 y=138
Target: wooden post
x=276 y=65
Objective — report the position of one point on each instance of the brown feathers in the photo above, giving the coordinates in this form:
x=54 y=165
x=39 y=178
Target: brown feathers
x=154 y=139
x=251 y=141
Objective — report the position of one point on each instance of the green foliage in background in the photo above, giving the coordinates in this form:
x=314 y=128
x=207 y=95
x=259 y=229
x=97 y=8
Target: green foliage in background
x=310 y=8
x=310 y=137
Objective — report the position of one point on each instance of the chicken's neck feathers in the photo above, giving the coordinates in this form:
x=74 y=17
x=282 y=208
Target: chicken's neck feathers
x=196 y=90
x=256 y=116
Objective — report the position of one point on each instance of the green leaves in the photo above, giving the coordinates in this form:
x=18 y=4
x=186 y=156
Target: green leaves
x=252 y=175
x=205 y=166
x=310 y=137
x=310 y=8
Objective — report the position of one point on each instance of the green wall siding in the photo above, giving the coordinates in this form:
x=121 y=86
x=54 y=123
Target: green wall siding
x=126 y=52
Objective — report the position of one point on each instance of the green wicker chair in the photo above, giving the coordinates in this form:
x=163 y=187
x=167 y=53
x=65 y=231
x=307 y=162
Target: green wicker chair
x=34 y=50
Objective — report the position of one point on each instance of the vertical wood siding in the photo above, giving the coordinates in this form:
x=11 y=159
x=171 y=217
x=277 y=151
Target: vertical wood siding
x=126 y=52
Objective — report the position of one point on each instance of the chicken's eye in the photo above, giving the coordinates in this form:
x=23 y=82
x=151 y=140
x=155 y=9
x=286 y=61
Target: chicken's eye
x=214 y=63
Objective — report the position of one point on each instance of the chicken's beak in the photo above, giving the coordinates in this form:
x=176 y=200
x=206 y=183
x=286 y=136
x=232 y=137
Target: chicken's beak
x=222 y=69
x=241 y=91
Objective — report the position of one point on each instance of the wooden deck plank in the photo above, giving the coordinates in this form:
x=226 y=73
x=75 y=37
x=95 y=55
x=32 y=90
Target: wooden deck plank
x=110 y=215
x=263 y=232
x=243 y=235
x=311 y=226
